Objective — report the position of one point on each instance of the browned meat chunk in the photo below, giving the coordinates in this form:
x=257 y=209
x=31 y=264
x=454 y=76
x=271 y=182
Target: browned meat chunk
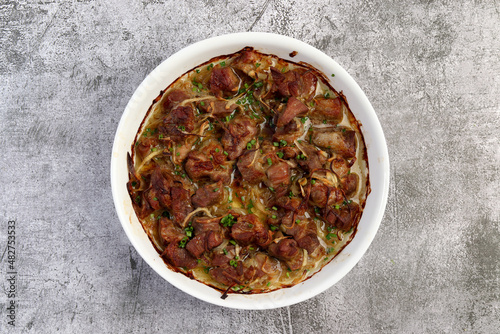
x=181 y=204
x=199 y=166
x=204 y=242
x=288 y=251
x=173 y=98
x=289 y=132
x=285 y=84
x=278 y=175
x=169 y=232
x=145 y=146
x=304 y=233
x=294 y=83
x=222 y=80
x=321 y=192
x=247 y=62
x=161 y=185
x=250 y=230
x=204 y=224
x=340 y=165
x=314 y=159
x=288 y=203
x=208 y=195
x=293 y=109
x=182 y=117
x=251 y=167
x=226 y=275
x=342 y=142
x=179 y=257
x=239 y=132
x=345 y=217
x=218 y=107
x=349 y=183
x=330 y=109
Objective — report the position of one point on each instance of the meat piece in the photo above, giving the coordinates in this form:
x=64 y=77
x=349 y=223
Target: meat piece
x=294 y=83
x=345 y=217
x=141 y=204
x=342 y=142
x=169 y=232
x=199 y=166
x=246 y=62
x=182 y=117
x=218 y=108
x=304 y=233
x=288 y=203
x=161 y=185
x=290 y=132
x=208 y=195
x=266 y=264
x=226 y=275
x=285 y=84
x=314 y=159
x=179 y=257
x=330 y=109
x=349 y=183
x=144 y=147
x=223 y=80
x=173 y=98
x=285 y=249
x=214 y=149
x=339 y=165
x=278 y=175
x=204 y=242
x=288 y=251
x=238 y=133
x=251 y=167
x=204 y=224
x=320 y=192
x=250 y=230
x=294 y=108
x=181 y=204
x=308 y=84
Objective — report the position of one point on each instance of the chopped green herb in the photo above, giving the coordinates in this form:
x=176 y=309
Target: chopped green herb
x=276 y=143
x=331 y=235
x=303 y=120
x=273 y=228
x=216 y=190
x=274 y=216
x=274 y=208
x=259 y=84
x=202 y=103
x=177 y=154
x=283 y=142
x=271 y=188
x=269 y=161
x=160 y=136
x=268 y=283
x=223 y=63
x=313 y=182
x=228 y=221
x=225 y=251
x=327 y=95
x=233 y=263
x=257 y=64
x=225 y=153
x=232 y=242
x=183 y=242
x=324 y=121
x=337 y=206
x=297 y=221
x=209 y=67
x=280 y=155
x=333 y=75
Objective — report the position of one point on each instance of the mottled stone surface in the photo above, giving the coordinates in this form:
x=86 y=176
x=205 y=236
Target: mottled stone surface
x=432 y=72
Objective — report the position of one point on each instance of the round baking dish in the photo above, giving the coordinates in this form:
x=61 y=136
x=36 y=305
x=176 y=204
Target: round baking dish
x=289 y=49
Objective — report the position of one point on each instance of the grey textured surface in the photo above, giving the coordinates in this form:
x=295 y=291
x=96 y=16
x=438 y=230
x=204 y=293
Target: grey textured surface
x=432 y=72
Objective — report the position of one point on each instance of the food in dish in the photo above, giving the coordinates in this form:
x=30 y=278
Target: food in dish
x=249 y=173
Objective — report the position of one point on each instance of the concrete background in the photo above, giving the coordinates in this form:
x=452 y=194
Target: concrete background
x=432 y=72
